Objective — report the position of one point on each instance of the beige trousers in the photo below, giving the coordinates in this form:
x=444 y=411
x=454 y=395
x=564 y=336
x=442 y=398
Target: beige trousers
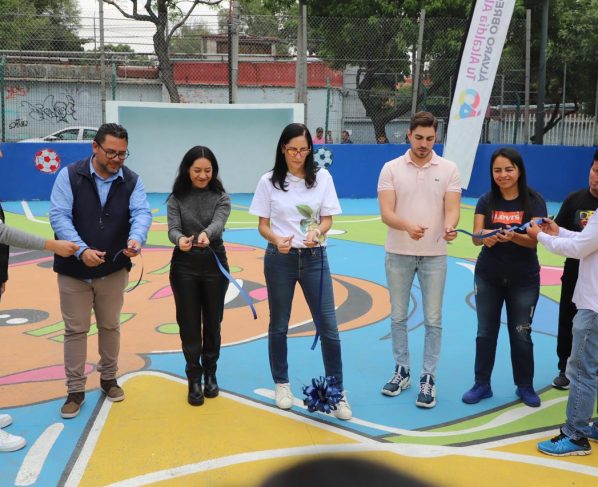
x=78 y=298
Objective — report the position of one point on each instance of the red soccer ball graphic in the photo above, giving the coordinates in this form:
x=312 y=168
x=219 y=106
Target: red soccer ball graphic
x=47 y=161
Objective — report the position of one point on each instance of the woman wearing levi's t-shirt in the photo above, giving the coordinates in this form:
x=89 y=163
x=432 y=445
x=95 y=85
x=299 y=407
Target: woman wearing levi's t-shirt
x=295 y=202
x=507 y=271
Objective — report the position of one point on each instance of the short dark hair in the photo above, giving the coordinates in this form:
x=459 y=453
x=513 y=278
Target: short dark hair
x=113 y=129
x=595 y=157
x=422 y=119
x=319 y=129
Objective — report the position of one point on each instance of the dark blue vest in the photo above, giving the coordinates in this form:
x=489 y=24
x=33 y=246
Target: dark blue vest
x=106 y=229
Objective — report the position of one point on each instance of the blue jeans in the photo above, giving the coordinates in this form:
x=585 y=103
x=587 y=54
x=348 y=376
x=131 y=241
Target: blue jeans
x=283 y=272
x=582 y=371
x=520 y=300
x=431 y=273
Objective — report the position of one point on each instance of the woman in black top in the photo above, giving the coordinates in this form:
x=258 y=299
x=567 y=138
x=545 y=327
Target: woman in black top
x=507 y=271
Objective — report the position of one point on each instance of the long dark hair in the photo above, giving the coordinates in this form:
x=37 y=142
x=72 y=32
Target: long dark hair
x=182 y=184
x=279 y=172
x=526 y=194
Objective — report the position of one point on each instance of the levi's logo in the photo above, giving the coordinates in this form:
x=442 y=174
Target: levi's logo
x=507 y=217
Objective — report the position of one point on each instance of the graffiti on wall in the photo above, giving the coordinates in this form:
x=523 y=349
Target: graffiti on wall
x=52 y=109
x=15 y=90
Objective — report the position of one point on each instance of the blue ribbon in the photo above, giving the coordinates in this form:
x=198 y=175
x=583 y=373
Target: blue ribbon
x=495 y=232
x=320 y=291
x=138 y=251
x=234 y=282
x=322 y=395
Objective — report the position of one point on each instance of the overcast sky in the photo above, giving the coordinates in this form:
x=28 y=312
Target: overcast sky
x=118 y=30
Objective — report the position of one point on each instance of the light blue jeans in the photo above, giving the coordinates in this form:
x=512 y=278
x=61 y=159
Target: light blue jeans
x=431 y=273
x=582 y=371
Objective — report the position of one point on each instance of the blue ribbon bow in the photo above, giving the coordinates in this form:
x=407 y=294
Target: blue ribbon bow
x=322 y=395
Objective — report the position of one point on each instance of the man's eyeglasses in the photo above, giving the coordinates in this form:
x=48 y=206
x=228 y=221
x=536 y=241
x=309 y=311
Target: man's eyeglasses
x=293 y=151
x=112 y=154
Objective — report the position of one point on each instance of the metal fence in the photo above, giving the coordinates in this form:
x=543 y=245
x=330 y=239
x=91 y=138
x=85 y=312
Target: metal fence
x=360 y=73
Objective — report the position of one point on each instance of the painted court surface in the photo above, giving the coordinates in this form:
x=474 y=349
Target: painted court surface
x=155 y=438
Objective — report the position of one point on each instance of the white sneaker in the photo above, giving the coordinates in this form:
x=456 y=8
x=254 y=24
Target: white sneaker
x=343 y=410
x=10 y=442
x=5 y=420
x=283 y=396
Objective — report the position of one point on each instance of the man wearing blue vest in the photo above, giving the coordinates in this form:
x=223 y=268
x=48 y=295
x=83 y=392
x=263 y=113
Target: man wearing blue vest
x=101 y=205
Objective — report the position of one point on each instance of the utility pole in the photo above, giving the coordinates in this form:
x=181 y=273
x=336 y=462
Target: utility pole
x=301 y=64
x=102 y=64
x=539 y=135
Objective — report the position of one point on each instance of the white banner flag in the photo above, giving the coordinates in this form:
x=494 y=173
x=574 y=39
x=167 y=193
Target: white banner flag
x=485 y=41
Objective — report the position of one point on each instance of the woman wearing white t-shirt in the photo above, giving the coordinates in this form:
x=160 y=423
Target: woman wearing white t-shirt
x=295 y=203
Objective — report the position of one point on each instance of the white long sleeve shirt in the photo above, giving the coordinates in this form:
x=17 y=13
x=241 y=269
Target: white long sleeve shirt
x=583 y=246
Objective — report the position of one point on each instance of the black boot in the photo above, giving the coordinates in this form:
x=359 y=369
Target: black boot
x=195 y=397
x=210 y=387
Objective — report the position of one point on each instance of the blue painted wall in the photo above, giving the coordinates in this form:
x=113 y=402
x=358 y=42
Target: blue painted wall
x=19 y=177
x=554 y=171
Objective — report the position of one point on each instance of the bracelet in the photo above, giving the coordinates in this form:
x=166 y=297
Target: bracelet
x=318 y=230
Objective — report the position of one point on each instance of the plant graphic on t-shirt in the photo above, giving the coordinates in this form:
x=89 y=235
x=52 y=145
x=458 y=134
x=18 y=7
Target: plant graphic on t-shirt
x=310 y=220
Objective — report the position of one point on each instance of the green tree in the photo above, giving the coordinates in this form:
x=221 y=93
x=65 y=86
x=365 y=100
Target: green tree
x=41 y=25
x=572 y=39
x=189 y=39
x=168 y=17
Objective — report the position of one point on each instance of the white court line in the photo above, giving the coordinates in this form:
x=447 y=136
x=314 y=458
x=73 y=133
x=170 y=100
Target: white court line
x=504 y=418
x=29 y=214
x=36 y=456
x=408 y=450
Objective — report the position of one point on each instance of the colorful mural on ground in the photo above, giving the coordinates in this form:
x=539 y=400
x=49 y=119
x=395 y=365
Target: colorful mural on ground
x=155 y=438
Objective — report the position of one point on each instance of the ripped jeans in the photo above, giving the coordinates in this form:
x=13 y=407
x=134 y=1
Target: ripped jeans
x=520 y=299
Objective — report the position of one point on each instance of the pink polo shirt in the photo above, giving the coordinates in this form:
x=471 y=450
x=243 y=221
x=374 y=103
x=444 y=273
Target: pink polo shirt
x=420 y=199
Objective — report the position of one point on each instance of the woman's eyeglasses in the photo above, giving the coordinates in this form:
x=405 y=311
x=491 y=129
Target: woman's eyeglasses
x=293 y=151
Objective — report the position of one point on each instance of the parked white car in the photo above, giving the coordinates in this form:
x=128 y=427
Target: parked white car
x=68 y=134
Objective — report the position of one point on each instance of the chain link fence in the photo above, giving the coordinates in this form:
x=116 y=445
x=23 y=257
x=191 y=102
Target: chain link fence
x=361 y=72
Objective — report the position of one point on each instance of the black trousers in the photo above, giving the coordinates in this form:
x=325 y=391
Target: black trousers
x=199 y=289
x=567 y=310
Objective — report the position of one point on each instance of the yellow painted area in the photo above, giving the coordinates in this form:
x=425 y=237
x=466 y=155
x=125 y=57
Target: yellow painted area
x=445 y=471
x=155 y=429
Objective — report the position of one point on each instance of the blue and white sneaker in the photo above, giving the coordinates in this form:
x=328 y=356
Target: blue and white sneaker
x=399 y=381
x=563 y=446
x=427 y=392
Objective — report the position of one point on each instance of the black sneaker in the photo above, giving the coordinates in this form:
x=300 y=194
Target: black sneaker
x=561 y=382
x=427 y=392
x=397 y=383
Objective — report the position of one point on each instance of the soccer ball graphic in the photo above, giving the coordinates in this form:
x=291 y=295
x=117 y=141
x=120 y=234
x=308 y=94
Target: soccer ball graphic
x=47 y=161
x=323 y=157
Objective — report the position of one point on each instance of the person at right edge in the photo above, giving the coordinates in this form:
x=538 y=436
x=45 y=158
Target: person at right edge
x=574 y=214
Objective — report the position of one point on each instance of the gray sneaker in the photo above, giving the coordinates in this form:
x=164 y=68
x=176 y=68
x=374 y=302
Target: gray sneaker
x=399 y=381
x=560 y=382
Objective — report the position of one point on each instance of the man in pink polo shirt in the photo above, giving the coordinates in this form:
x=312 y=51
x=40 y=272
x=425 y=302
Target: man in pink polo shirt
x=419 y=195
